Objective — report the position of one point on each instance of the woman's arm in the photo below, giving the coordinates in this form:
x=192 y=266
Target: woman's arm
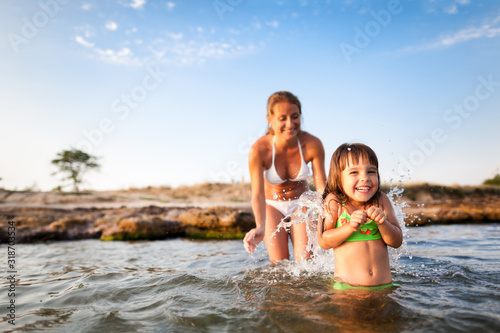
x=255 y=236
x=318 y=163
x=388 y=224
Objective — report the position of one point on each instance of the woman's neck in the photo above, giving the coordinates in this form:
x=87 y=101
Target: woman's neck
x=286 y=142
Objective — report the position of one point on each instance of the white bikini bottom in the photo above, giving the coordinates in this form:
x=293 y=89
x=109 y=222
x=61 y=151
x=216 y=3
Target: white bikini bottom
x=284 y=207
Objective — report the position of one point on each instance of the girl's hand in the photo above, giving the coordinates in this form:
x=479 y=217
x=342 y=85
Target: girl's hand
x=358 y=218
x=376 y=214
x=253 y=238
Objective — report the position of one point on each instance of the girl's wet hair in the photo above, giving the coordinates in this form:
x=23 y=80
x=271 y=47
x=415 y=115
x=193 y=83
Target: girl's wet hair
x=279 y=97
x=349 y=153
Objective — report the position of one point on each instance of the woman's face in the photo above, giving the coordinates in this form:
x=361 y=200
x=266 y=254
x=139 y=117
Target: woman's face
x=286 y=120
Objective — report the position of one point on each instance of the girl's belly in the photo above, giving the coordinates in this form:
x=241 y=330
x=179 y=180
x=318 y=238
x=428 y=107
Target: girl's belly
x=363 y=263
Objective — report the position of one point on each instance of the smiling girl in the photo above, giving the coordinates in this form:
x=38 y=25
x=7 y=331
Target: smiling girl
x=278 y=173
x=360 y=221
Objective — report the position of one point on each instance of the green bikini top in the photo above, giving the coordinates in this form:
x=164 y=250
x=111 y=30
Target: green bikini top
x=367 y=231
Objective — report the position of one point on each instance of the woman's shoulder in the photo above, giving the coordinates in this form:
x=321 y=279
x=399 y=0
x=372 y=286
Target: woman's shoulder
x=310 y=141
x=308 y=138
x=262 y=145
x=263 y=141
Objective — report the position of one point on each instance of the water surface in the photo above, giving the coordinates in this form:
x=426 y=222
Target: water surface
x=449 y=282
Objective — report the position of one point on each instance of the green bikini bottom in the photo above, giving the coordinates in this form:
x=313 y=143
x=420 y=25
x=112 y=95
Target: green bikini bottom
x=337 y=285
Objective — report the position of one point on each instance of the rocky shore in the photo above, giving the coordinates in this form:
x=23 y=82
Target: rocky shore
x=208 y=211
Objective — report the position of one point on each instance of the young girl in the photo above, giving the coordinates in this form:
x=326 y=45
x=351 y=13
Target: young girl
x=359 y=221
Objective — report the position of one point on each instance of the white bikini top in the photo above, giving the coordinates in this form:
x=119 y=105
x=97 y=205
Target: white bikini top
x=272 y=177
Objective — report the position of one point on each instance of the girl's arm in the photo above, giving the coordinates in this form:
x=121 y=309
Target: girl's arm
x=328 y=236
x=387 y=222
x=255 y=236
x=318 y=165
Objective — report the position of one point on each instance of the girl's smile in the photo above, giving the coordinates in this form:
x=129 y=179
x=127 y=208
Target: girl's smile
x=360 y=181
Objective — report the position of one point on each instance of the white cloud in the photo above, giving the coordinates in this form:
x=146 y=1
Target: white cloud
x=197 y=52
x=256 y=25
x=87 y=30
x=123 y=56
x=80 y=40
x=170 y=5
x=489 y=29
x=137 y=4
x=273 y=24
x=86 y=6
x=451 y=10
x=110 y=25
x=174 y=36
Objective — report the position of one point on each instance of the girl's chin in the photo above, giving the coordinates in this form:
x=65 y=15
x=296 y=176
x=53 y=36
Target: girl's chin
x=362 y=197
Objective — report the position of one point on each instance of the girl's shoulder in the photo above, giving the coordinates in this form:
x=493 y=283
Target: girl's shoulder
x=384 y=201
x=332 y=205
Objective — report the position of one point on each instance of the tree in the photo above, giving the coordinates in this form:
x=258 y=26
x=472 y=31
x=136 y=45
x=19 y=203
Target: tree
x=75 y=163
x=493 y=181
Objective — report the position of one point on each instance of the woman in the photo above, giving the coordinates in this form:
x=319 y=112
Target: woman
x=278 y=174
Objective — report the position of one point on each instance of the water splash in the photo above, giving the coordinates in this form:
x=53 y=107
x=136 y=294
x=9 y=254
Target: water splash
x=310 y=209
x=396 y=196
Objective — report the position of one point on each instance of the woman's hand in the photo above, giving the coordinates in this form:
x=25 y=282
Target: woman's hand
x=253 y=238
x=376 y=214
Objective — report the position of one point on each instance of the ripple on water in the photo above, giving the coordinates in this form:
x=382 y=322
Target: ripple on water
x=444 y=287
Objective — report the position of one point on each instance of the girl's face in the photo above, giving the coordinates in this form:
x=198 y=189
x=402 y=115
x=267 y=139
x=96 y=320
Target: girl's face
x=286 y=119
x=360 y=181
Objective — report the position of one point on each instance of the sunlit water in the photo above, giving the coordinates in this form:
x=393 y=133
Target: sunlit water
x=449 y=278
x=452 y=283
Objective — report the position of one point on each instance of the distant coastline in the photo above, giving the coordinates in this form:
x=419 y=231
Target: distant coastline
x=209 y=210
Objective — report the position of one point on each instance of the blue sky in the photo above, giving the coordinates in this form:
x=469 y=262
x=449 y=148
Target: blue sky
x=174 y=92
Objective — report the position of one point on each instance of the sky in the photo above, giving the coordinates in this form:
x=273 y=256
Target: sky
x=171 y=93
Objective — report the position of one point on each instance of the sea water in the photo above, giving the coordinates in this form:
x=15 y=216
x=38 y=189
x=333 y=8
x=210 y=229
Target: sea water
x=449 y=278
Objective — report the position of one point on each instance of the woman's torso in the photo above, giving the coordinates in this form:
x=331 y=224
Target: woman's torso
x=288 y=168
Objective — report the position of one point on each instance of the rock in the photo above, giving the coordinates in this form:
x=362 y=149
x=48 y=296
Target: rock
x=217 y=223
x=135 y=228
